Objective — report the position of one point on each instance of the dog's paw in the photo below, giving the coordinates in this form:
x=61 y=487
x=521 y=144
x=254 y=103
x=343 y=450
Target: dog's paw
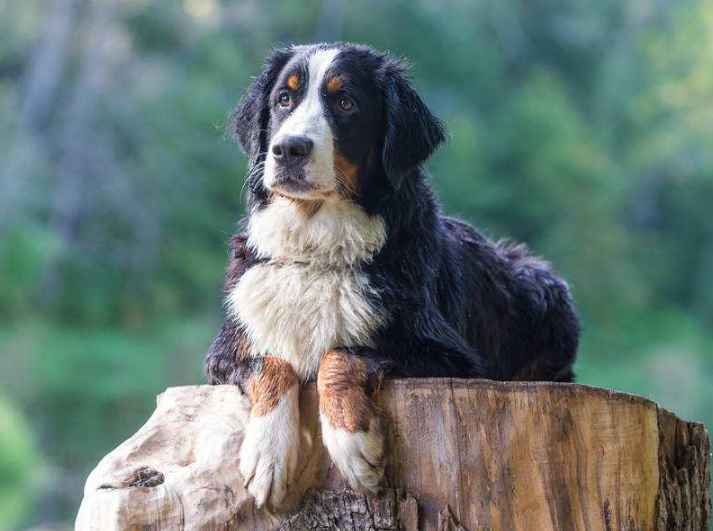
x=268 y=455
x=358 y=455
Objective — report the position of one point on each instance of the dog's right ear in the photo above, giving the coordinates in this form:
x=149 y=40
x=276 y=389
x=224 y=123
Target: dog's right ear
x=249 y=121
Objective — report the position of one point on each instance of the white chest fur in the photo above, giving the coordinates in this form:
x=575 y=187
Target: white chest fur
x=311 y=295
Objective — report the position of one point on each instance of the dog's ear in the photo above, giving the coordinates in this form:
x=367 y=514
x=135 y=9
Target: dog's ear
x=413 y=132
x=250 y=120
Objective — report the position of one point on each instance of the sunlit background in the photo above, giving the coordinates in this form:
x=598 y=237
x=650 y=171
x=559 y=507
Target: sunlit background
x=583 y=128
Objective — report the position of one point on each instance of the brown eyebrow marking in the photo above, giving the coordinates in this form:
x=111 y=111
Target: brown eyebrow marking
x=293 y=81
x=334 y=84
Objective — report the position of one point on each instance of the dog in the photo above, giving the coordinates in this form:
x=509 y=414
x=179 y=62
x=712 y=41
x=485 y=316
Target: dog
x=346 y=270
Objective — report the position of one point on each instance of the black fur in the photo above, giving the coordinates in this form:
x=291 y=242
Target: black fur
x=459 y=304
x=412 y=131
x=250 y=120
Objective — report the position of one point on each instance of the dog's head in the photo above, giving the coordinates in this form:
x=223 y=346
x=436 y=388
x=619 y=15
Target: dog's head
x=338 y=119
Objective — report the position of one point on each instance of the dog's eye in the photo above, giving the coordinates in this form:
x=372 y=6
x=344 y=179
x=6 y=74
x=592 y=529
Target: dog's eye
x=284 y=99
x=346 y=104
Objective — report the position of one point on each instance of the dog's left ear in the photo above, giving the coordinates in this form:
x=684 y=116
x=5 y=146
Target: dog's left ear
x=250 y=120
x=413 y=132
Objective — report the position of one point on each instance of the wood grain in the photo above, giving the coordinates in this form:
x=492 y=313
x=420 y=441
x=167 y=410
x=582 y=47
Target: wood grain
x=570 y=458
x=473 y=455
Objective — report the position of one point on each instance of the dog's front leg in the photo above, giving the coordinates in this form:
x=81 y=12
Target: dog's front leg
x=268 y=455
x=351 y=429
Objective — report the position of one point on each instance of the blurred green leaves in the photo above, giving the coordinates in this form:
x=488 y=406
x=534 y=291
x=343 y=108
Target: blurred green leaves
x=19 y=463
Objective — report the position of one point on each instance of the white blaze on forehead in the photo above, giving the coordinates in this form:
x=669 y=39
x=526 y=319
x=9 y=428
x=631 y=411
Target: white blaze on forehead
x=308 y=120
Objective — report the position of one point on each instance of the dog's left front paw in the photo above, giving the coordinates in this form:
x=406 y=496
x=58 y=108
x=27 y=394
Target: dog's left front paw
x=358 y=455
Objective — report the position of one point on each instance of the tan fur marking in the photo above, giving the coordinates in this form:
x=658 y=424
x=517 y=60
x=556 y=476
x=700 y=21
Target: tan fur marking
x=346 y=391
x=293 y=81
x=269 y=384
x=334 y=84
x=347 y=175
x=308 y=208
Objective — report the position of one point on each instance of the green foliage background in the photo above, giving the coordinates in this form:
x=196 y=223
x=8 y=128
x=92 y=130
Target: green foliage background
x=582 y=128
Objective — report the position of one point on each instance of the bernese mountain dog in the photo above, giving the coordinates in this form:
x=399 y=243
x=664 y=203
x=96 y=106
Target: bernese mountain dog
x=347 y=271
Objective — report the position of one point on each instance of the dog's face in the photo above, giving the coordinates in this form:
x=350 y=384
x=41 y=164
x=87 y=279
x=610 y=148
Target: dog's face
x=323 y=124
x=333 y=120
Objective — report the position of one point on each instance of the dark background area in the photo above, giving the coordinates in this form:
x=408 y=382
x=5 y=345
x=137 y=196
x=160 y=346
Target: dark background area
x=582 y=128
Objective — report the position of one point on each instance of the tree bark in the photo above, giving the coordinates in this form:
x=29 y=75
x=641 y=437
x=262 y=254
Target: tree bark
x=463 y=455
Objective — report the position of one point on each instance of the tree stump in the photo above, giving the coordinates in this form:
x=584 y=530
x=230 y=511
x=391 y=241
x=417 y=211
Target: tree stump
x=463 y=455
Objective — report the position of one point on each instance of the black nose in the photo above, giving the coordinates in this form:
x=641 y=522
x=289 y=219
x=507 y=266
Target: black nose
x=292 y=150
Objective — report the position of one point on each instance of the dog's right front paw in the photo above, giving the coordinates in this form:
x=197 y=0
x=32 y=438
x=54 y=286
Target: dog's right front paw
x=268 y=455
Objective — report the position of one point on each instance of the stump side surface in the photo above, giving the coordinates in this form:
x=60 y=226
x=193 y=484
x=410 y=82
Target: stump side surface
x=565 y=459
x=475 y=455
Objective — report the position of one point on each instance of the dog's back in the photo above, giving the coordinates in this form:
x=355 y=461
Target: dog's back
x=508 y=305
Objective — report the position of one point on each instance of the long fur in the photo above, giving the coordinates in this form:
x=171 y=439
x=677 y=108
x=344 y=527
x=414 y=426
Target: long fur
x=348 y=269
x=346 y=252
x=385 y=268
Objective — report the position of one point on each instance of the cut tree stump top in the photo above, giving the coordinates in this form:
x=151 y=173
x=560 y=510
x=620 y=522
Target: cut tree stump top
x=462 y=455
